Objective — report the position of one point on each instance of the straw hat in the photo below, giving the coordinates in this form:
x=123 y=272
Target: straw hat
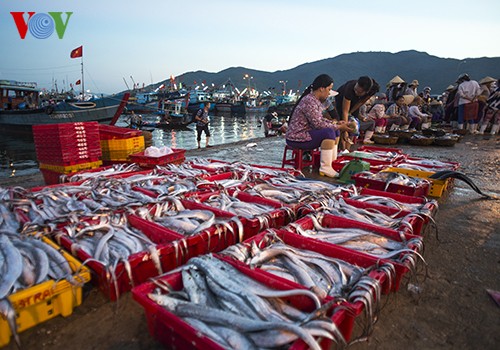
x=414 y=82
x=408 y=99
x=487 y=80
x=450 y=87
x=436 y=103
x=396 y=80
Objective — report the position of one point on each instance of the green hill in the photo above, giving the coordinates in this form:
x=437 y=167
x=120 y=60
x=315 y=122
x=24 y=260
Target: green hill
x=429 y=70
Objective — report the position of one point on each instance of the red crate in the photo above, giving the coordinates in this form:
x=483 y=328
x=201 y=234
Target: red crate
x=141 y=263
x=418 y=191
x=110 y=132
x=336 y=221
x=177 y=157
x=376 y=149
x=342 y=161
x=333 y=251
x=279 y=216
x=449 y=165
x=430 y=205
x=173 y=332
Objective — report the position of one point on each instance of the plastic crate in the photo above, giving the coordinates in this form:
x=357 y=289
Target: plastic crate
x=418 y=191
x=176 y=157
x=376 y=149
x=448 y=165
x=71 y=168
x=429 y=205
x=117 y=155
x=141 y=263
x=333 y=251
x=46 y=300
x=438 y=187
x=111 y=132
x=173 y=332
x=336 y=221
x=135 y=144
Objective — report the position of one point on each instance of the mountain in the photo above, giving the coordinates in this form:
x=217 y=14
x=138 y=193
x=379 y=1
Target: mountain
x=432 y=71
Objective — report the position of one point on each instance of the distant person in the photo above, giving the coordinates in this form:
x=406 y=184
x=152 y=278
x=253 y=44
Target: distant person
x=436 y=110
x=308 y=129
x=268 y=120
x=395 y=87
x=487 y=85
x=493 y=110
x=412 y=88
x=468 y=91
x=397 y=115
x=135 y=121
x=419 y=120
x=202 y=121
x=352 y=95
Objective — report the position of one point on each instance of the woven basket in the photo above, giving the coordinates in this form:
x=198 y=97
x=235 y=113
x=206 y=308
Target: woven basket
x=448 y=142
x=402 y=135
x=421 y=141
x=385 y=140
x=461 y=132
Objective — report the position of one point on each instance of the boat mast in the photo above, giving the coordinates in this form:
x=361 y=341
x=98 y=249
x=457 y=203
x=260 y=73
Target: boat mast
x=83 y=84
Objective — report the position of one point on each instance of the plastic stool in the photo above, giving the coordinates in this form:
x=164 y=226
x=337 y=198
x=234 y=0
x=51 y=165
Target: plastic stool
x=297 y=156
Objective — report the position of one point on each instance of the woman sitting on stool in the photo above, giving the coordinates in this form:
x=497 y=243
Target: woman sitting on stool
x=308 y=129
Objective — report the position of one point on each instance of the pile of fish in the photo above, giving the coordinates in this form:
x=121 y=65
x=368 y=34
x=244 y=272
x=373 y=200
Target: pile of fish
x=323 y=275
x=238 y=312
x=363 y=240
x=389 y=177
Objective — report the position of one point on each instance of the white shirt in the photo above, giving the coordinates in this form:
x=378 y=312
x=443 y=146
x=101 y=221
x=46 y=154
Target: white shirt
x=468 y=92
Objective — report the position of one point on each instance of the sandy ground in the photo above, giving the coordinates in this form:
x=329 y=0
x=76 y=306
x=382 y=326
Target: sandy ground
x=451 y=309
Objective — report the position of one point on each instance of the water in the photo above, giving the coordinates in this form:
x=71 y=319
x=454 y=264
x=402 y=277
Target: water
x=18 y=155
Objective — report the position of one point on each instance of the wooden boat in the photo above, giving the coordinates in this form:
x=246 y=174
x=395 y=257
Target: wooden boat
x=20 y=107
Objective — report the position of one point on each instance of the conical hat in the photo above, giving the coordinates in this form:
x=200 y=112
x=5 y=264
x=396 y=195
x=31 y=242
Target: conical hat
x=450 y=87
x=408 y=99
x=396 y=80
x=487 y=80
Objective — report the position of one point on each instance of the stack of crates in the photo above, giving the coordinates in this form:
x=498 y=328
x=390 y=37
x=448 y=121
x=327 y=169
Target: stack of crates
x=117 y=143
x=66 y=148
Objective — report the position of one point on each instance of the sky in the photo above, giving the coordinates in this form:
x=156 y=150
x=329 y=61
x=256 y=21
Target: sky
x=147 y=41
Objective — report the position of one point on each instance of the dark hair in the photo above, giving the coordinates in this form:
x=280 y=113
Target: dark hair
x=399 y=96
x=365 y=83
x=322 y=80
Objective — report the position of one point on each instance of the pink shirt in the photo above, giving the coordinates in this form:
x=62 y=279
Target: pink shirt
x=377 y=112
x=308 y=115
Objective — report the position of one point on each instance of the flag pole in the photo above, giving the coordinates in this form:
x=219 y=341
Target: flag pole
x=83 y=83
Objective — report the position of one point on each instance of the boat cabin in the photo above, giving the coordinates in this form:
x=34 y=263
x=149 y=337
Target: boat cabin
x=18 y=95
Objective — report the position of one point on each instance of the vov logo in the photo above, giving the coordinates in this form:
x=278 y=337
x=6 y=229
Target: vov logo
x=41 y=25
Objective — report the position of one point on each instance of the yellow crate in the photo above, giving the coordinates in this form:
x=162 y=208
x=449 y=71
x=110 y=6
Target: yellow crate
x=46 y=300
x=68 y=169
x=135 y=143
x=437 y=186
x=117 y=155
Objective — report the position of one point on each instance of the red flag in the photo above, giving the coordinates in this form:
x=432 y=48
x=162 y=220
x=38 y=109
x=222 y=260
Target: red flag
x=78 y=52
x=78 y=82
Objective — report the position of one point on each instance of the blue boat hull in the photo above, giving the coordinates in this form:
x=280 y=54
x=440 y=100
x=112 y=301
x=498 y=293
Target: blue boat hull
x=101 y=110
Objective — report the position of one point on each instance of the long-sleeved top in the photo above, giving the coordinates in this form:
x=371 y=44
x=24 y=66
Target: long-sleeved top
x=468 y=91
x=377 y=112
x=414 y=111
x=308 y=115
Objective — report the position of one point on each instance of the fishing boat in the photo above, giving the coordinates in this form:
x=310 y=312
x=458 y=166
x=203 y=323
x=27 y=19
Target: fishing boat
x=174 y=114
x=20 y=107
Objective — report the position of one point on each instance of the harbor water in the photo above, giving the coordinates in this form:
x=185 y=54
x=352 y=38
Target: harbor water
x=18 y=155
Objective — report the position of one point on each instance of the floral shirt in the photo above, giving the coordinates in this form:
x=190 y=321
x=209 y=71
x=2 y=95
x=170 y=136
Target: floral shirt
x=308 y=115
x=377 y=112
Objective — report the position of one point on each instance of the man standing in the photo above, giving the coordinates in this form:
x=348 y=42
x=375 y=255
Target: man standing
x=202 y=120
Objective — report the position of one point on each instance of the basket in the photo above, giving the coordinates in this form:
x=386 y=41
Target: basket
x=461 y=132
x=447 y=142
x=385 y=140
x=421 y=141
x=403 y=135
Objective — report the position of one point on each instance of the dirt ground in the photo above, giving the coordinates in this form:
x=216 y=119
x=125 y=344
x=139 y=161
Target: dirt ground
x=451 y=309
